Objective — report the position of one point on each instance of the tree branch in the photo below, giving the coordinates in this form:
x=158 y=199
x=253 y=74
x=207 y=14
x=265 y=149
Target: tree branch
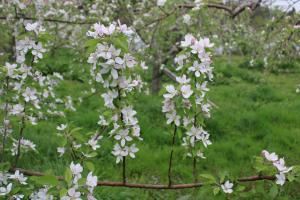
x=148 y=186
x=233 y=12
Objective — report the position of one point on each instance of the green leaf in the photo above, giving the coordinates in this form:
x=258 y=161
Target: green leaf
x=46 y=180
x=121 y=42
x=240 y=188
x=4 y=166
x=74 y=130
x=260 y=166
x=68 y=176
x=63 y=142
x=90 y=166
x=78 y=136
x=216 y=190
x=63 y=192
x=82 y=181
x=91 y=45
x=208 y=178
x=273 y=191
x=91 y=155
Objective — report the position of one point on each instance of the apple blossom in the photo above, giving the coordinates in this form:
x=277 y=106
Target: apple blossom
x=227 y=187
x=279 y=164
x=280 y=179
x=76 y=168
x=91 y=181
x=161 y=2
x=4 y=190
x=19 y=177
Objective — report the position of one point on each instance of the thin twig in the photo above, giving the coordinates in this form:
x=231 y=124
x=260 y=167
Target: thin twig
x=4 y=120
x=171 y=156
x=124 y=169
x=21 y=133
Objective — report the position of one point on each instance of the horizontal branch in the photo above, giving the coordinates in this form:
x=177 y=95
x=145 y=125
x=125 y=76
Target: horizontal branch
x=51 y=20
x=148 y=186
x=233 y=12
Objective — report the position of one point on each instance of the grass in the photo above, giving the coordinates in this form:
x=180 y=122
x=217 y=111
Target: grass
x=255 y=111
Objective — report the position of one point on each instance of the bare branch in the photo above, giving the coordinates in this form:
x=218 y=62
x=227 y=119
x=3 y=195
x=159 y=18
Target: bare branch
x=149 y=186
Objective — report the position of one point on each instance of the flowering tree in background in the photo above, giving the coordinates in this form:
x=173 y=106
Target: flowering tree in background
x=115 y=70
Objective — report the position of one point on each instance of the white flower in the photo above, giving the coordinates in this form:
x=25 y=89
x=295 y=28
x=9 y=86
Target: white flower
x=124 y=29
x=173 y=117
x=5 y=190
x=72 y=195
x=110 y=30
x=198 y=4
x=206 y=109
x=25 y=144
x=198 y=48
x=270 y=156
x=29 y=94
x=3 y=178
x=102 y=121
x=119 y=152
x=36 y=27
x=206 y=42
x=109 y=97
x=19 y=177
x=128 y=116
x=41 y=195
x=183 y=79
x=99 y=29
x=10 y=69
x=168 y=106
x=189 y=40
x=76 y=168
x=161 y=2
x=205 y=139
x=91 y=181
x=136 y=130
x=143 y=66
x=187 y=121
x=132 y=150
x=18 y=196
x=186 y=19
x=200 y=154
x=61 y=151
x=186 y=91
x=62 y=127
x=38 y=50
x=195 y=134
x=198 y=68
x=123 y=136
x=171 y=92
x=129 y=60
x=93 y=142
x=227 y=187
x=280 y=179
x=17 y=109
x=202 y=87
x=280 y=165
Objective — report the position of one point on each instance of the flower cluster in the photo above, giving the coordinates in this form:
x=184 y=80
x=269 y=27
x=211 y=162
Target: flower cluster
x=6 y=182
x=279 y=164
x=26 y=90
x=116 y=70
x=185 y=105
x=78 y=190
x=77 y=144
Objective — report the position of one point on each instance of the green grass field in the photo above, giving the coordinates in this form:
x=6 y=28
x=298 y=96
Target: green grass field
x=254 y=111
